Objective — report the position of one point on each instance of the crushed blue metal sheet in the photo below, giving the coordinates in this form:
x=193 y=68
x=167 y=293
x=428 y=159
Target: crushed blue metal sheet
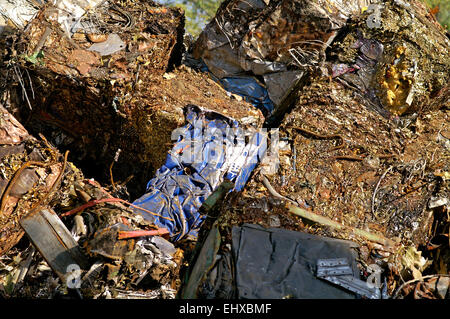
x=244 y=86
x=251 y=91
x=209 y=149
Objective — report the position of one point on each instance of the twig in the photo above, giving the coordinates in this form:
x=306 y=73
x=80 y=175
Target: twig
x=331 y=223
x=272 y=191
x=294 y=162
x=58 y=179
x=376 y=189
x=116 y=158
x=49 y=146
x=320 y=136
x=336 y=148
x=31 y=83
x=226 y=35
x=111 y=175
x=90 y=204
x=97 y=185
x=19 y=78
x=325 y=220
x=330 y=137
x=348 y=157
x=129 y=178
x=293 y=208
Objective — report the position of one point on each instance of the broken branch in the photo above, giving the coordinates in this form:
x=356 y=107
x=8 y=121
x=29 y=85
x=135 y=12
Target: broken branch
x=331 y=223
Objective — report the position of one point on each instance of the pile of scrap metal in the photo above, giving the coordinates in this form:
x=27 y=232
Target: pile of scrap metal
x=393 y=53
x=349 y=196
x=363 y=144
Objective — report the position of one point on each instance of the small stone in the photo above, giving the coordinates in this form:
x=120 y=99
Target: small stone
x=274 y=221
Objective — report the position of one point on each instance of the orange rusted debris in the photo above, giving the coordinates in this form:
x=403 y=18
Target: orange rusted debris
x=142 y=233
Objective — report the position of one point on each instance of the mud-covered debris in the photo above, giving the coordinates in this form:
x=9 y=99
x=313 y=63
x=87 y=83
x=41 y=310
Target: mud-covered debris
x=426 y=287
x=30 y=172
x=92 y=88
x=394 y=53
x=400 y=64
x=105 y=242
x=362 y=143
x=279 y=40
x=358 y=169
x=68 y=87
x=93 y=256
x=132 y=261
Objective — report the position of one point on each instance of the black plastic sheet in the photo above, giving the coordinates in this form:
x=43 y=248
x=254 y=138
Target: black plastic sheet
x=278 y=263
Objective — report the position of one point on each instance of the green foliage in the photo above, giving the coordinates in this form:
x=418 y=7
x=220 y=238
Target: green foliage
x=443 y=16
x=36 y=58
x=198 y=12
